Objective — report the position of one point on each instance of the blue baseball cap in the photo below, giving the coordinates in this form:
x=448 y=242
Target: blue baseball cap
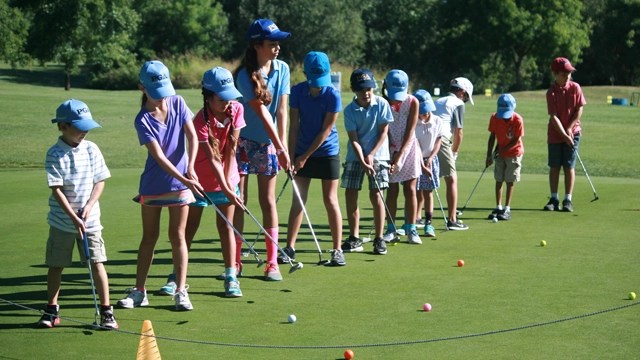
x=506 y=106
x=154 y=76
x=317 y=69
x=76 y=113
x=362 y=79
x=262 y=29
x=397 y=84
x=220 y=81
x=426 y=102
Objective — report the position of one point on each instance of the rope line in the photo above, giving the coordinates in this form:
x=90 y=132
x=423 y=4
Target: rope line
x=393 y=343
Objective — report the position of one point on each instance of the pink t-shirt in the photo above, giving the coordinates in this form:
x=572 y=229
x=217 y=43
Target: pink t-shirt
x=505 y=130
x=563 y=102
x=221 y=128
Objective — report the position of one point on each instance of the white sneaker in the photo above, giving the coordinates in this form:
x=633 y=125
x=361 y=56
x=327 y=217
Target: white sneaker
x=413 y=237
x=134 y=298
x=182 y=300
x=390 y=236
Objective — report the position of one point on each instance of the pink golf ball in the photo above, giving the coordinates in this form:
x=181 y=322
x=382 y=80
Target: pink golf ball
x=426 y=307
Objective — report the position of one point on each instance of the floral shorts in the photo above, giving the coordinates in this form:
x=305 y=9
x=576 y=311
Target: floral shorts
x=256 y=158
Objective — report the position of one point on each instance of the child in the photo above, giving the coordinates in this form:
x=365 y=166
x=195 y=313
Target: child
x=263 y=81
x=429 y=135
x=451 y=109
x=75 y=173
x=405 y=158
x=218 y=126
x=315 y=105
x=168 y=179
x=507 y=128
x=366 y=120
x=565 y=103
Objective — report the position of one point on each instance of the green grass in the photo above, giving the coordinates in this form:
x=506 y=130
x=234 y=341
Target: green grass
x=508 y=284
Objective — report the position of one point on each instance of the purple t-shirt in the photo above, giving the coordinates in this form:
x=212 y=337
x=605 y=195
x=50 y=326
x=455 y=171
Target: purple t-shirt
x=170 y=136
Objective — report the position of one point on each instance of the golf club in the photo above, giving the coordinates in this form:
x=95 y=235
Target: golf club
x=294 y=267
x=87 y=257
x=495 y=155
x=284 y=186
x=595 y=195
x=386 y=208
x=255 y=254
x=444 y=216
x=306 y=215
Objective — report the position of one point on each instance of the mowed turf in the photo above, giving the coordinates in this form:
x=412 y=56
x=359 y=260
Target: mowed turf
x=512 y=299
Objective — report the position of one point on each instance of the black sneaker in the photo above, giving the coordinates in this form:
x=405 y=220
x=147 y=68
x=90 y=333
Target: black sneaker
x=379 y=246
x=107 y=320
x=50 y=317
x=456 y=225
x=291 y=254
x=494 y=214
x=567 y=205
x=552 y=205
x=352 y=244
x=504 y=215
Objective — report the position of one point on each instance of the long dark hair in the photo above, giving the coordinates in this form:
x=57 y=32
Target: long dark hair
x=250 y=63
x=213 y=141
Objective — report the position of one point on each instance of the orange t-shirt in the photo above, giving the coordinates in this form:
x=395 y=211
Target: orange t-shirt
x=505 y=130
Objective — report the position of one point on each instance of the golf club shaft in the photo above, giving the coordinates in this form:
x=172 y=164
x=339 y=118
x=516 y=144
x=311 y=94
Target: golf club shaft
x=444 y=216
x=595 y=195
x=474 y=188
x=386 y=208
x=87 y=256
x=284 y=186
x=304 y=210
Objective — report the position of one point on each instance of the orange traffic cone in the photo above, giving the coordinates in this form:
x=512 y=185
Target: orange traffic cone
x=147 y=346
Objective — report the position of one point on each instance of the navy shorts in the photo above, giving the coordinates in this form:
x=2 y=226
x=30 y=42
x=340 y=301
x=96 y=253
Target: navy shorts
x=562 y=155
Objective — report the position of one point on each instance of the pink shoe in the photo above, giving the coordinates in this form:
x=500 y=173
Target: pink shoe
x=272 y=272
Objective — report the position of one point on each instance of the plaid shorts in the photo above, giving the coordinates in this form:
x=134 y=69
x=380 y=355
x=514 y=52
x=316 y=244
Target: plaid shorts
x=256 y=158
x=424 y=182
x=353 y=176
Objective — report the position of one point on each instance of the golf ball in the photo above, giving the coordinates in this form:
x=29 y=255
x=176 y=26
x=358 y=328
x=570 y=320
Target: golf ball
x=460 y=263
x=543 y=243
x=495 y=219
x=292 y=318
x=348 y=354
x=426 y=307
x=632 y=296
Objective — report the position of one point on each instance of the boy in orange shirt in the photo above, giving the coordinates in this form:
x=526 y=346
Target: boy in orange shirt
x=506 y=126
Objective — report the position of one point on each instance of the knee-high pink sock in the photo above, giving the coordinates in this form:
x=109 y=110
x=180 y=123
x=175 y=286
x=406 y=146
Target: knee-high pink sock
x=272 y=249
x=238 y=249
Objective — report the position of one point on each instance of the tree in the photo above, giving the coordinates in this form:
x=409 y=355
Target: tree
x=13 y=32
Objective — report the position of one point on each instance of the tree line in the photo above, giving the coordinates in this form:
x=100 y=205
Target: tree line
x=505 y=45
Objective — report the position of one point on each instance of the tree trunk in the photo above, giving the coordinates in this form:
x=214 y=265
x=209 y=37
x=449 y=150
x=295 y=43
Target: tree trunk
x=67 y=81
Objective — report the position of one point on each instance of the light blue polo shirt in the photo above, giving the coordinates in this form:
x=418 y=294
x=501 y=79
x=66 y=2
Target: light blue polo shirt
x=366 y=122
x=313 y=111
x=278 y=84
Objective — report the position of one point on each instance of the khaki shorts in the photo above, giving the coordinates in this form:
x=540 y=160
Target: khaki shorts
x=60 y=248
x=507 y=169
x=445 y=157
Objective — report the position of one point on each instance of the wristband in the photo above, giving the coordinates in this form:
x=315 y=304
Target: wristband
x=280 y=151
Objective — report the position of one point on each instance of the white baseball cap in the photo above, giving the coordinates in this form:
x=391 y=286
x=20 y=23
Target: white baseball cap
x=464 y=84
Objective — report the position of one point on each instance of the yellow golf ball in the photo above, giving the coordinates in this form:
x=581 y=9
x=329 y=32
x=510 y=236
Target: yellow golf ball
x=632 y=296
x=543 y=243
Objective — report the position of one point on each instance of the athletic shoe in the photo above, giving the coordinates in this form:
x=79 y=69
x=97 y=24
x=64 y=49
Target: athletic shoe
x=182 y=300
x=134 y=298
x=567 y=205
x=291 y=254
x=169 y=288
x=420 y=223
x=337 y=258
x=391 y=236
x=429 y=231
x=379 y=246
x=552 y=205
x=352 y=244
x=456 y=225
x=413 y=237
x=232 y=287
x=107 y=320
x=50 y=318
x=504 y=215
x=272 y=272
x=223 y=276
x=494 y=214
x=401 y=232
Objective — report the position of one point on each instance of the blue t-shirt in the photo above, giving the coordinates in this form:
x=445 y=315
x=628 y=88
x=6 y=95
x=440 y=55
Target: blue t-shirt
x=366 y=122
x=170 y=136
x=312 y=112
x=278 y=84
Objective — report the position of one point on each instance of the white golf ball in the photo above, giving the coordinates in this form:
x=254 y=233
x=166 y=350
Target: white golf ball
x=292 y=318
x=495 y=220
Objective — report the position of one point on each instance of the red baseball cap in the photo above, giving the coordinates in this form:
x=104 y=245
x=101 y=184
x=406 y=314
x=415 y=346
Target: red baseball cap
x=562 y=64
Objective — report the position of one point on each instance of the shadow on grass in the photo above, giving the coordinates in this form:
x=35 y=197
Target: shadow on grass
x=50 y=76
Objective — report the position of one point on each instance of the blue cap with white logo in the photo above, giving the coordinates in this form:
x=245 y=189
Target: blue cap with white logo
x=76 y=113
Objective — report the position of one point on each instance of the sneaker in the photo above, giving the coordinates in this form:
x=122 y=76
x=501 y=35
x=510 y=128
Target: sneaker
x=504 y=215
x=223 y=276
x=169 y=288
x=494 y=214
x=420 y=223
x=429 y=231
x=182 y=300
x=567 y=205
x=352 y=244
x=134 y=298
x=50 y=317
x=391 y=236
x=337 y=258
x=379 y=246
x=272 y=272
x=552 y=205
x=107 y=320
x=413 y=237
x=232 y=287
x=291 y=254
x=456 y=225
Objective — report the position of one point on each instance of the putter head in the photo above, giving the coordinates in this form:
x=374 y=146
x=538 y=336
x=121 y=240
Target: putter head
x=595 y=198
x=295 y=267
x=323 y=262
x=95 y=326
x=260 y=262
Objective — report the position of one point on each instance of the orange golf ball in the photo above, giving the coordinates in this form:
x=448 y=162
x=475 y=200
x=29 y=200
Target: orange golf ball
x=348 y=354
x=460 y=263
